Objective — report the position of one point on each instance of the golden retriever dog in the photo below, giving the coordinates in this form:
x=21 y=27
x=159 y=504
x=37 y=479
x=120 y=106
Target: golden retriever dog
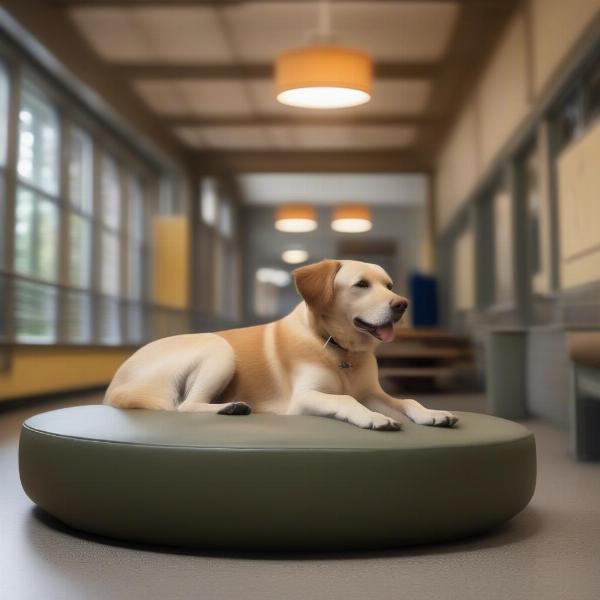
x=318 y=360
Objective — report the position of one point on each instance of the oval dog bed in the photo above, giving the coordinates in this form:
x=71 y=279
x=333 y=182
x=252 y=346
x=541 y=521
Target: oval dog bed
x=267 y=481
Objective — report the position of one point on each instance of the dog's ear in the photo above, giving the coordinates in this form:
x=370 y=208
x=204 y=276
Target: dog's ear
x=315 y=283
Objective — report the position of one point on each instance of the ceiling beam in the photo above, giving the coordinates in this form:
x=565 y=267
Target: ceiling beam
x=287 y=120
x=257 y=71
x=217 y=3
x=375 y=161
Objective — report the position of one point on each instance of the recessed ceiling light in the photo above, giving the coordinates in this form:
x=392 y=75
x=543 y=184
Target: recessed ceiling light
x=351 y=218
x=296 y=218
x=294 y=257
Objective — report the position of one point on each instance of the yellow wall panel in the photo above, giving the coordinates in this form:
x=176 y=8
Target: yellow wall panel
x=579 y=205
x=170 y=281
x=46 y=370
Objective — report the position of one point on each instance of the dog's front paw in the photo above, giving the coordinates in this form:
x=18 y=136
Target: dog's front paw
x=437 y=418
x=376 y=421
x=235 y=408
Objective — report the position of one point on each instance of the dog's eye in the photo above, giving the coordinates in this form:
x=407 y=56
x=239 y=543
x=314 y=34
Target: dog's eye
x=362 y=284
x=389 y=286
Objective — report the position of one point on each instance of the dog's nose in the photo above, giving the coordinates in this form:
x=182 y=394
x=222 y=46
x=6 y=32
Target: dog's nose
x=399 y=306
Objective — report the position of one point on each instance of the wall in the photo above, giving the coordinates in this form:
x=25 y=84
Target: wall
x=170 y=261
x=264 y=244
x=46 y=370
x=555 y=27
x=579 y=210
x=532 y=50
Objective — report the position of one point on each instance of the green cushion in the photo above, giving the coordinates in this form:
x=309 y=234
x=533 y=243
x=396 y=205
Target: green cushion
x=267 y=481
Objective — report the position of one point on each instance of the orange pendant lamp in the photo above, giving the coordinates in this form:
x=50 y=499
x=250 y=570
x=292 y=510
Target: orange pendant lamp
x=296 y=218
x=351 y=218
x=324 y=75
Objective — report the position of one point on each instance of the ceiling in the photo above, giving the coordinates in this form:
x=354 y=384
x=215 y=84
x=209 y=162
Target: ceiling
x=272 y=189
x=204 y=70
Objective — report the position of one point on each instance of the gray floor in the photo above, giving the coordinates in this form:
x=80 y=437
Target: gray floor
x=550 y=551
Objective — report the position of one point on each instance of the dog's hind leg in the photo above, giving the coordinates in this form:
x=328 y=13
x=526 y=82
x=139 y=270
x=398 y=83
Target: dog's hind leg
x=216 y=367
x=152 y=395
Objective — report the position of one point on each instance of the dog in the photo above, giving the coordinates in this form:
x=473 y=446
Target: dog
x=317 y=360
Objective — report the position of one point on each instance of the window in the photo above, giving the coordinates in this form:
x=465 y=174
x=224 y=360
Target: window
x=111 y=193
x=37 y=222
x=136 y=257
x=110 y=263
x=80 y=237
x=35 y=312
x=37 y=215
x=4 y=109
x=227 y=261
x=110 y=184
x=36 y=236
x=225 y=220
x=136 y=237
x=208 y=201
x=81 y=160
x=529 y=171
x=4 y=101
x=503 y=245
x=219 y=248
x=38 y=142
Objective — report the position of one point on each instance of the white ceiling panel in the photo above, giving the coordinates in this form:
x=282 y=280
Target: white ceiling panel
x=226 y=137
x=170 y=35
x=393 y=31
x=350 y=138
x=261 y=30
x=213 y=97
x=271 y=189
x=417 y=31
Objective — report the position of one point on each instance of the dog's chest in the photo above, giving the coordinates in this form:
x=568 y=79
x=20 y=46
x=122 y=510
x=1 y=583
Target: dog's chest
x=350 y=377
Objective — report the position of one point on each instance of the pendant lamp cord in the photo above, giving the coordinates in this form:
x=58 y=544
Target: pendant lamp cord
x=324 y=19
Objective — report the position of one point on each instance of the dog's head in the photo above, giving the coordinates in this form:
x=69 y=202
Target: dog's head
x=352 y=301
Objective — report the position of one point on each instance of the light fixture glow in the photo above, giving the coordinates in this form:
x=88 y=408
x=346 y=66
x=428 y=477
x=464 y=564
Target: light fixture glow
x=323 y=77
x=323 y=97
x=296 y=218
x=351 y=218
x=294 y=257
x=276 y=277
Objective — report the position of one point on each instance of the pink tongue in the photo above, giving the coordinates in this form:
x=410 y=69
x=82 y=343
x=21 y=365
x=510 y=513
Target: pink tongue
x=385 y=333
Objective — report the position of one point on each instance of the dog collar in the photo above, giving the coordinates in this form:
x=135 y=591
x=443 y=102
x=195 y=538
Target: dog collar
x=345 y=363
